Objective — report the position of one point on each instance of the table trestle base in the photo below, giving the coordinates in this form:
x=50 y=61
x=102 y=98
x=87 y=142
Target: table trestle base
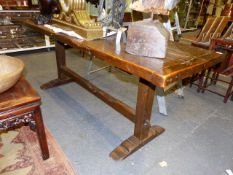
x=143 y=131
x=55 y=82
x=132 y=144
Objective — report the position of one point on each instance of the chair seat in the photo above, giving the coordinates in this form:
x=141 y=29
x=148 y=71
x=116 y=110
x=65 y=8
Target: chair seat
x=20 y=94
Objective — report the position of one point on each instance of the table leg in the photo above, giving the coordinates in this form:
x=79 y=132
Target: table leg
x=61 y=62
x=41 y=133
x=143 y=131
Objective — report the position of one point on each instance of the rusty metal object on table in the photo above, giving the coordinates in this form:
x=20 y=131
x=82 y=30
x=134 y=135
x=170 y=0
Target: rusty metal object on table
x=75 y=17
x=10 y=71
x=20 y=105
x=181 y=61
x=147 y=38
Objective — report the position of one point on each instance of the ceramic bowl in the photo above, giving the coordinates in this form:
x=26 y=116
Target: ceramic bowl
x=10 y=71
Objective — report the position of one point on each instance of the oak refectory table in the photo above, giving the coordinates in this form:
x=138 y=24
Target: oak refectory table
x=182 y=61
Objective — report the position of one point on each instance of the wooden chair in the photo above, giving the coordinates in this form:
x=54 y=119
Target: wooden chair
x=215 y=27
x=21 y=105
x=225 y=69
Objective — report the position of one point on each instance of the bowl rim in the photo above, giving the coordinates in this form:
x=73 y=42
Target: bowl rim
x=11 y=74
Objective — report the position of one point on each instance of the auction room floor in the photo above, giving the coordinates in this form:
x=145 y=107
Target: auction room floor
x=199 y=128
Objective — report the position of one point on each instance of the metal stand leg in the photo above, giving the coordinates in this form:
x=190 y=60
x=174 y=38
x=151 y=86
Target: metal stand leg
x=180 y=93
x=89 y=65
x=161 y=101
x=180 y=90
x=162 y=104
x=89 y=71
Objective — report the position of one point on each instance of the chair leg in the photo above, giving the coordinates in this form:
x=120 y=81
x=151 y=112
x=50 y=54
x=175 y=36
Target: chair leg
x=191 y=81
x=212 y=78
x=228 y=93
x=215 y=78
x=206 y=81
x=200 y=81
x=41 y=133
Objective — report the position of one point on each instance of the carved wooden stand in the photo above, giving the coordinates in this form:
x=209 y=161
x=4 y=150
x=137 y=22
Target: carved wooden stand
x=21 y=105
x=143 y=131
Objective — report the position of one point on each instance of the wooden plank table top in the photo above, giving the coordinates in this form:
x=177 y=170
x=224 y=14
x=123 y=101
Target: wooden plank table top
x=182 y=61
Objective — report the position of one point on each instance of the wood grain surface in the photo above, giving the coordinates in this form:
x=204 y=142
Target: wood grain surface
x=20 y=94
x=182 y=61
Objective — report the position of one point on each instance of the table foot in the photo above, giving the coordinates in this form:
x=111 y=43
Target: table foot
x=132 y=144
x=54 y=83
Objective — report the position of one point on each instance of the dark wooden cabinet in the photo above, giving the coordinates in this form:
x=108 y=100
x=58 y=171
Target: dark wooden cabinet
x=15 y=37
